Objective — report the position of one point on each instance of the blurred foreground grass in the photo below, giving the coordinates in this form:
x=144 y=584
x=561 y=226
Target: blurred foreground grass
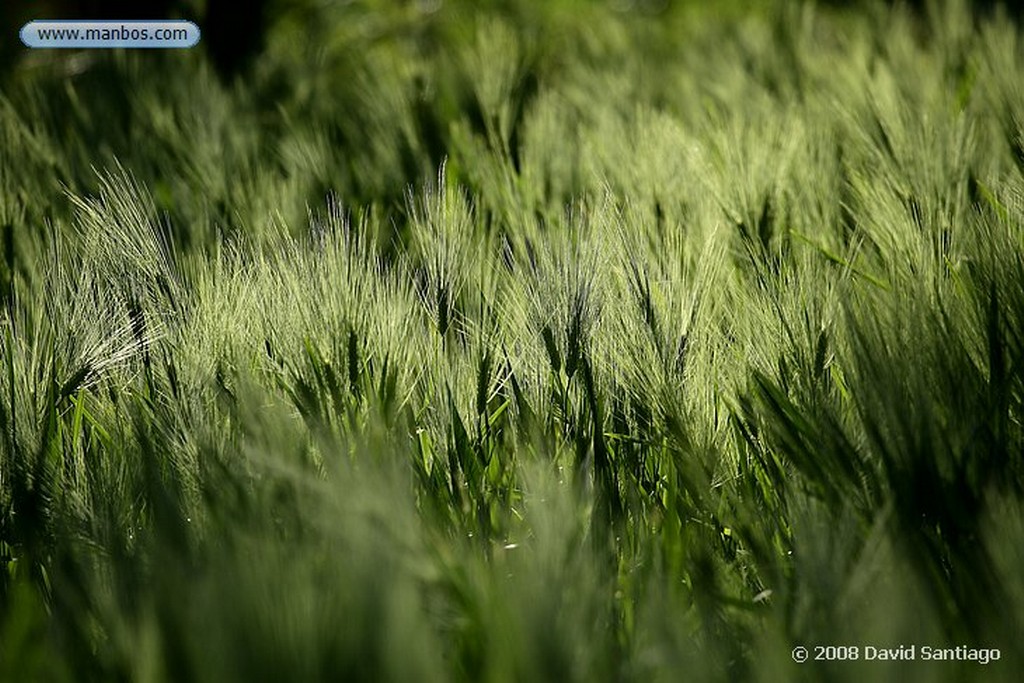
x=517 y=341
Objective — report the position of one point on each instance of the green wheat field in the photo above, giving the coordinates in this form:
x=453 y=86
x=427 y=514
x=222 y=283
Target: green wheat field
x=518 y=341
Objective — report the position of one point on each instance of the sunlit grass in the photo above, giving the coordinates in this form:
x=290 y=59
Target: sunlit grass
x=532 y=342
